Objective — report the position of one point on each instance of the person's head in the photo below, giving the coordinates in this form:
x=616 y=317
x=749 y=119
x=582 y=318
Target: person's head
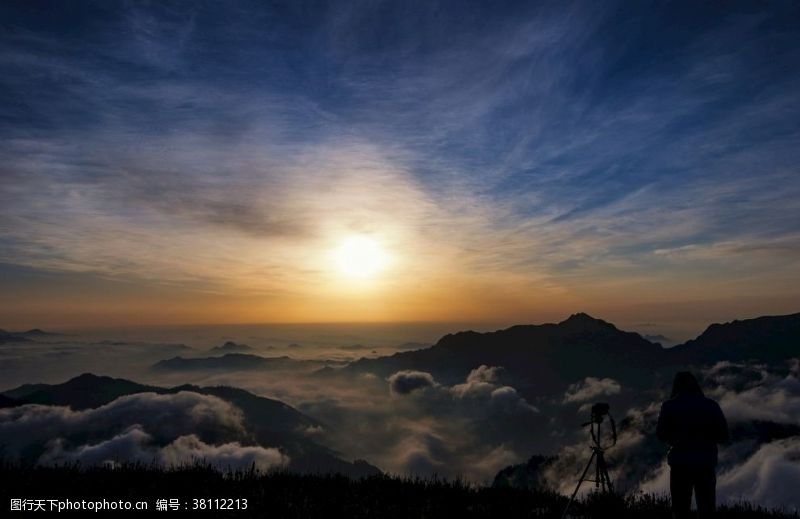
x=685 y=384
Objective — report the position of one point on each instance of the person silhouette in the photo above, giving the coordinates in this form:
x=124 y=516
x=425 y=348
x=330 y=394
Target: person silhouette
x=692 y=425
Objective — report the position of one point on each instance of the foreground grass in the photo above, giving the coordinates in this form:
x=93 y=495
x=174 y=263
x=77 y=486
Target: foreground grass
x=281 y=494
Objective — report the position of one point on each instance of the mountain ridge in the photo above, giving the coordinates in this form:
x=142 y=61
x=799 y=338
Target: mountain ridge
x=229 y=361
x=769 y=337
x=273 y=423
x=545 y=358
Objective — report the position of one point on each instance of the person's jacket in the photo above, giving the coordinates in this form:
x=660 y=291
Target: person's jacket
x=692 y=425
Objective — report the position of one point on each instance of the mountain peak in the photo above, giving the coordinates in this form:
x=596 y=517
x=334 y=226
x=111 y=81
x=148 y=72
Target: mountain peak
x=85 y=378
x=580 y=316
x=583 y=319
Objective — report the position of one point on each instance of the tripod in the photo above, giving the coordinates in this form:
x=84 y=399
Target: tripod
x=602 y=481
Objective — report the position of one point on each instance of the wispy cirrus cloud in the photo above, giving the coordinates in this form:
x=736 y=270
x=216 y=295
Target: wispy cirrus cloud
x=556 y=149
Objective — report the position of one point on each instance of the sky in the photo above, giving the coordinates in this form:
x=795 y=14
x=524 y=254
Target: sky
x=198 y=162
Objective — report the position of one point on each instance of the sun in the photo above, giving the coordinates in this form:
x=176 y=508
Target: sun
x=360 y=257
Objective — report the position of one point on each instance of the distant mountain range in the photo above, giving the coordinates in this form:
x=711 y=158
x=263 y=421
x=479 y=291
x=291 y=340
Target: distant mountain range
x=540 y=361
x=272 y=422
x=231 y=362
x=26 y=336
x=545 y=359
x=659 y=339
x=231 y=347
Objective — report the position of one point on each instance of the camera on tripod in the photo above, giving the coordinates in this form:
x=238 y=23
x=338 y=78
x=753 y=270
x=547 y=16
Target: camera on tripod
x=602 y=480
x=599 y=411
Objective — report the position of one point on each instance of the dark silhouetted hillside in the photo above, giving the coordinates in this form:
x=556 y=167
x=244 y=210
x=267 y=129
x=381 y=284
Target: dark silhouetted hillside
x=82 y=392
x=544 y=359
x=526 y=475
x=272 y=422
x=8 y=402
x=769 y=338
x=286 y=495
x=539 y=359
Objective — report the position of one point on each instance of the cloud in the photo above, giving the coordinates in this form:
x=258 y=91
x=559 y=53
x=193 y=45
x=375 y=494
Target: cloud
x=128 y=446
x=483 y=384
x=748 y=392
x=778 y=403
x=480 y=381
x=591 y=388
x=134 y=428
x=187 y=449
x=164 y=416
x=768 y=477
x=484 y=373
x=136 y=445
x=507 y=398
x=405 y=382
x=423 y=427
x=481 y=390
x=222 y=165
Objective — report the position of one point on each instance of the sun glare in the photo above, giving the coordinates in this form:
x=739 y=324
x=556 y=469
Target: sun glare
x=360 y=257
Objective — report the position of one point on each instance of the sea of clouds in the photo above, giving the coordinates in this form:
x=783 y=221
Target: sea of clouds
x=408 y=422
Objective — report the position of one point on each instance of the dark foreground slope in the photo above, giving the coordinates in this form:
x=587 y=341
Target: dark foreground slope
x=283 y=495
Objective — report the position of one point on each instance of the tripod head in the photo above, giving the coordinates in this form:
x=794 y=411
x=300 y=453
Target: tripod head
x=599 y=411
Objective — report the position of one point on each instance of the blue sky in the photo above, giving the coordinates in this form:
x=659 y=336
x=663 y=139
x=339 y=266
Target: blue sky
x=559 y=153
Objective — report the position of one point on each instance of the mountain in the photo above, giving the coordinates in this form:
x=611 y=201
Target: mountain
x=228 y=362
x=272 y=422
x=7 y=337
x=8 y=402
x=539 y=359
x=37 y=332
x=26 y=336
x=769 y=338
x=412 y=346
x=82 y=392
x=355 y=347
x=544 y=359
x=659 y=339
x=231 y=347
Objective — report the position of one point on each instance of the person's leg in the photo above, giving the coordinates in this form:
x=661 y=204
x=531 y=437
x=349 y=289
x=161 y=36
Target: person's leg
x=705 y=492
x=680 y=486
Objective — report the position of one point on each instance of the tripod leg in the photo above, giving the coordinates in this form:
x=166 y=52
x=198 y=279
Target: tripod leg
x=598 y=473
x=603 y=470
x=583 y=476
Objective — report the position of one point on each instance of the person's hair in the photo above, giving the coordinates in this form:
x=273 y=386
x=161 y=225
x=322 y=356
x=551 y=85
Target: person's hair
x=685 y=384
